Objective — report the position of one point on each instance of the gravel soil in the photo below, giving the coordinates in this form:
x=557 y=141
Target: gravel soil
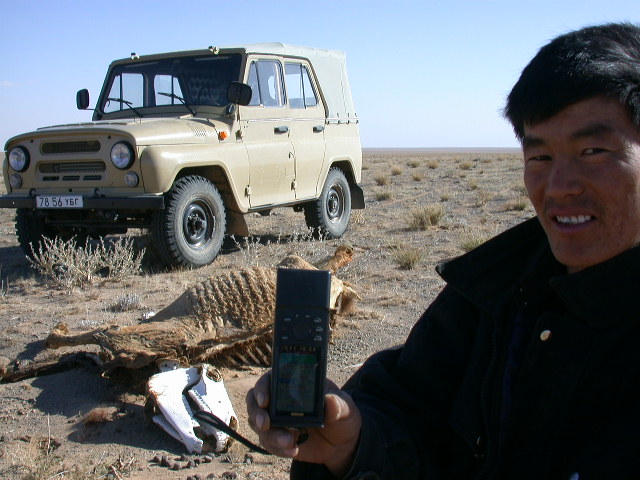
x=73 y=422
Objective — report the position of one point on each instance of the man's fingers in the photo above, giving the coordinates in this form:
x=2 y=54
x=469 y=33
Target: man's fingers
x=257 y=400
x=261 y=390
x=336 y=408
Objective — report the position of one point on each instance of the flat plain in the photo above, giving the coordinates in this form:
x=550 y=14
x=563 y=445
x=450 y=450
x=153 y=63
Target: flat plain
x=421 y=207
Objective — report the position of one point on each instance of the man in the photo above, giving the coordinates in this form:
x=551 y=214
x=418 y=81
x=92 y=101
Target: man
x=527 y=365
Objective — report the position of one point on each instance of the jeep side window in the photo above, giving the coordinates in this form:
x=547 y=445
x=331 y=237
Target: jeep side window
x=300 y=90
x=126 y=87
x=265 y=79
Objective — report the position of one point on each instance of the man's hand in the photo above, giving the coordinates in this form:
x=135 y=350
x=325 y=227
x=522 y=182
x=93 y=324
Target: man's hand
x=333 y=445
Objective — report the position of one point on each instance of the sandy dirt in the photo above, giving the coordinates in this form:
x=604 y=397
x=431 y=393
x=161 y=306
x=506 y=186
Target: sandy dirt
x=45 y=432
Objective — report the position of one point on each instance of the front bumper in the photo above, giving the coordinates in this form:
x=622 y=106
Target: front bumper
x=138 y=202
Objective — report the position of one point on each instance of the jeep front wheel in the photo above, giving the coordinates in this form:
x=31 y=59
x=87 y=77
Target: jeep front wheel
x=329 y=214
x=190 y=230
x=30 y=230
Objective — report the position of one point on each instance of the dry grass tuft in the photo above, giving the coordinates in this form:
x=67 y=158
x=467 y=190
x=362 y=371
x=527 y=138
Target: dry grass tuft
x=483 y=197
x=381 y=180
x=384 y=196
x=471 y=240
x=423 y=218
x=408 y=258
x=518 y=205
x=395 y=171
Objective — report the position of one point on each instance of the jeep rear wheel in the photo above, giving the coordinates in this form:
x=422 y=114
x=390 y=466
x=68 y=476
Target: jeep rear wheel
x=329 y=214
x=190 y=230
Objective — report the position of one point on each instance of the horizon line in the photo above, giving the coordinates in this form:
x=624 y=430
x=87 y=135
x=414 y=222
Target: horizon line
x=446 y=149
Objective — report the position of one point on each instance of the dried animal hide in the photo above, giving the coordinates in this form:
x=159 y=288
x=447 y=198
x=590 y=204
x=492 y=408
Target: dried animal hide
x=227 y=318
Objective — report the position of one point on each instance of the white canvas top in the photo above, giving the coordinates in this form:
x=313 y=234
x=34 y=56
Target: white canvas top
x=330 y=67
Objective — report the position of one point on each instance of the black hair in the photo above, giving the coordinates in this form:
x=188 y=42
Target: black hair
x=593 y=61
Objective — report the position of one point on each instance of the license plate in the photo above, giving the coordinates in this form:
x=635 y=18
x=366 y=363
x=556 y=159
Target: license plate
x=59 y=201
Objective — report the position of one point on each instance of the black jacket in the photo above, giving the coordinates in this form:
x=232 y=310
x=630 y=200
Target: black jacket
x=439 y=407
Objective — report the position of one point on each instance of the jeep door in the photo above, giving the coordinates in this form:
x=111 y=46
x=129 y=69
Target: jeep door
x=265 y=125
x=307 y=127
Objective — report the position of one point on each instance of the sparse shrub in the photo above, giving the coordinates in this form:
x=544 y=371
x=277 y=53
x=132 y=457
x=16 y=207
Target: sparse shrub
x=384 y=196
x=445 y=197
x=395 y=171
x=423 y=218
x=466 y=166
x=417 y=177
x=381 y=180
x=413 y=163
x=407 y=258
x=127 y=302
x=121 y=258
x=432 y=164
x=473 y=183
x=69 y=265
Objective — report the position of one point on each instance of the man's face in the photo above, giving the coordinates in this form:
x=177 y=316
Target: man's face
x=582 y=172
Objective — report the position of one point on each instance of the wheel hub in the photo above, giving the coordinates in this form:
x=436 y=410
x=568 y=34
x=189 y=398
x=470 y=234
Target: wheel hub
x=196 y=226
x=334 y=205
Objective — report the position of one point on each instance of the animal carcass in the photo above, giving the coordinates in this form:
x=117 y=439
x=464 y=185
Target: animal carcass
x=226 y=319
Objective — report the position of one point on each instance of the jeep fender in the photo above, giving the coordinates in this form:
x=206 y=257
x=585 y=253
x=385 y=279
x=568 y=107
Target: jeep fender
x=161 y=164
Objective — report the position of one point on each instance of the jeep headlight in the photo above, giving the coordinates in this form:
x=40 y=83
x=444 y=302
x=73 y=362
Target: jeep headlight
x=19 y=159
x=122 y=155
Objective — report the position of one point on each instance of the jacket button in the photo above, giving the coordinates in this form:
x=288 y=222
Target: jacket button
x=545 y=335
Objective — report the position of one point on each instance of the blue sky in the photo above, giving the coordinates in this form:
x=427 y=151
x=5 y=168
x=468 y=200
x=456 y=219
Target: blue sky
x=423 y=73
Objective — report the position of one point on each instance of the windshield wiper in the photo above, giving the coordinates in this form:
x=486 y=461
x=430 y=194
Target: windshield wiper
x=176 y=97
x=127 y=103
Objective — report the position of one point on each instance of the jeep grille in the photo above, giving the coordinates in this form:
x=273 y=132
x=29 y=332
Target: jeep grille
x=69 y=167
x=81 y=146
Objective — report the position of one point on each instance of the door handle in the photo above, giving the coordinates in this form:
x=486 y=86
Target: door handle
x=283 y=129
x=318 y=128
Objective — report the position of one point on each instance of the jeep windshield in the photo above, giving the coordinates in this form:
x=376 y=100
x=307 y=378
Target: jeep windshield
x=179 y=85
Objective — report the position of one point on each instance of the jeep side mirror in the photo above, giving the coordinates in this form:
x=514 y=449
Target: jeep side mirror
x=239 y=93
x=82 y=99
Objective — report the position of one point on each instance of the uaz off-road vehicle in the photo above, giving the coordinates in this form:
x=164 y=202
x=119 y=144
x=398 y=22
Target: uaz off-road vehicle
x=184 y=144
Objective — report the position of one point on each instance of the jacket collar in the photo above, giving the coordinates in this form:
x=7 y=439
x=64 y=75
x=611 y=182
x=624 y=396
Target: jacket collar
x=499 y=269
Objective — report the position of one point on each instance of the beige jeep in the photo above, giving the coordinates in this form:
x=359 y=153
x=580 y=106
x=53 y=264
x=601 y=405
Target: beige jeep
x=186 y=143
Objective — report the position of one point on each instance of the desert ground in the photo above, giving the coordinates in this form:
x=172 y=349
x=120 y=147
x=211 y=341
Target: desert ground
x=80 y=424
